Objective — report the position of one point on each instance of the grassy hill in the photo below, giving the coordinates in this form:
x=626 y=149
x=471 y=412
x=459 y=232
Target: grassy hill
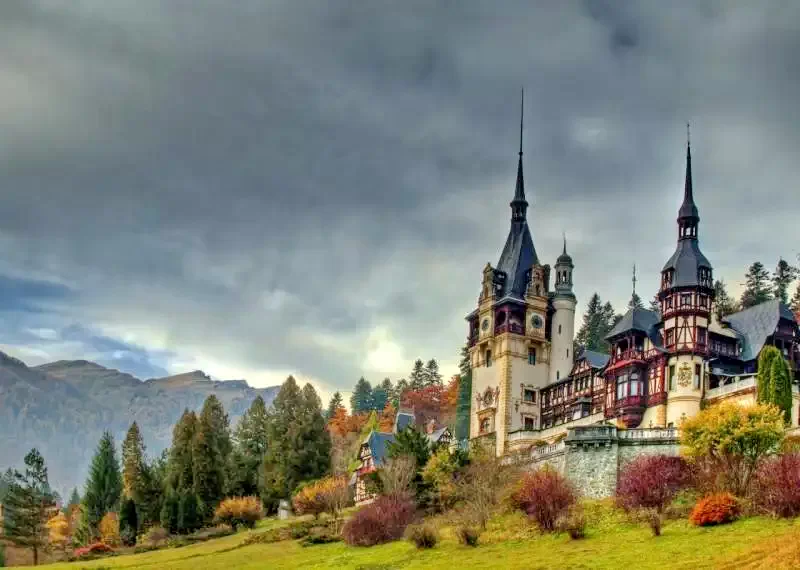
x=510 y=543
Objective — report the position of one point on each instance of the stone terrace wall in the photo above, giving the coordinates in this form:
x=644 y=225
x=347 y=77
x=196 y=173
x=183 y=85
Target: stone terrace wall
x=592 y=456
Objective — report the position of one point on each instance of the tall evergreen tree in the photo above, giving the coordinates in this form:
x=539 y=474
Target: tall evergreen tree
x=757 y=286
x=464 y=364
x=410 y=442
x=464 y=404
x=335 y=403
x=635 y=302
x=180 y=467
x=378 y=398
x=782 y=279
x=211 y=447
x=764 y=387
x=74 y=500
x=781 y=386
x=655 y=305
x=598 y=320
x=133 y=464
x=416 y=381
x=432 y=375
x=244 y=462
x=361 y=400
x=796 y=300
x=724 y=305
x=400 y=389
x=27 y=503
x=104 y=486
x=299 y=444
x=389 y=388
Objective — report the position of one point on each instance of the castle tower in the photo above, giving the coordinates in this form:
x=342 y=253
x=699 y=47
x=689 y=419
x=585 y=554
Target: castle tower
x=686 y=297
x=563 y=325
x=509 y=334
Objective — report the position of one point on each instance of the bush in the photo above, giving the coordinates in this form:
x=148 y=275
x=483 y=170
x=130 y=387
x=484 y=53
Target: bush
x=545 y=496
x=715 y=509
x=777 y=486
x=239 y=512
x=321 y=535
x=308 y=500
x=791 y=444
x=189 y=513
x=468 y=536
x=573 y=523
x=383 y=520
x=423 y=535
x=109 y=529
x=92 y=549
x=651 y=482
x=329 y=495
x=154 y=537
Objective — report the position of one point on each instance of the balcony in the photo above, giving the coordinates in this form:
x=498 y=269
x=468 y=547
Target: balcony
x=630 y=410
x=514 y=328
x=745 y=383
x=632 y=354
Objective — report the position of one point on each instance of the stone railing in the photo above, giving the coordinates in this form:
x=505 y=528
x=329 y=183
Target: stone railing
x=591 y=433
x=545 y=450
x=748 y=382
x=521 y=435
x=649 y=434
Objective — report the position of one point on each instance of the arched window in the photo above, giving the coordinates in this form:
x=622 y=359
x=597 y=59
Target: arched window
x=484 y=425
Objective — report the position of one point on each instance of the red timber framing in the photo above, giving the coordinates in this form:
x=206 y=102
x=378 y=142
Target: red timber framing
x=577 y=396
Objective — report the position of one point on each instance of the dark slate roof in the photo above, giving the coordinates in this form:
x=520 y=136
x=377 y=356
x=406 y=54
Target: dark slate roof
x=686 y=261
x=636 y=319
x=402 y=420
x=688 y=208
x=517 y=258
x=755 y=324
x=595 y=359
x=377 y=443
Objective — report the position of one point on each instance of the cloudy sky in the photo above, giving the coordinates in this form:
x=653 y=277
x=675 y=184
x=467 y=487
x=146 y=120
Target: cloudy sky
x=263 y=188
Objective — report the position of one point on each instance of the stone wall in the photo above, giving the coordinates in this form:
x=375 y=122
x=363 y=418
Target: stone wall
x=592 y=456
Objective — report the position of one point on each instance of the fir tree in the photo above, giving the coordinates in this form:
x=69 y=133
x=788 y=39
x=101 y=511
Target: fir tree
x=597 y=322
x=757 y=286
x=781 y=387
x=781 y=280
x=104 y=486
x=464 y=365
x=432 y=375
x=74 y=500
x=413 y=443
x=463 y=407
x=190 y=509
x=148 y=510
x=335 y=403
x=796 y=300
x=128 y=522
x=180 y=473
x=299 y=444
x=389 y=388
x=378 y=398
x=635 y=302
x=27 y=503
x=416 y=381
x=724 y=305
x=169 y=511
x=655 y=305
x=764 y=387
x=251 y=444
x=400 y=389
x=211 y=447
x=133 y=464
x=361 y=400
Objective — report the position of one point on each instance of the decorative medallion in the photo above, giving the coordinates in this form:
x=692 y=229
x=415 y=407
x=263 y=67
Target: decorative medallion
x=684 y=376
x=485 y=324
x=537 y=322
x=488 y=397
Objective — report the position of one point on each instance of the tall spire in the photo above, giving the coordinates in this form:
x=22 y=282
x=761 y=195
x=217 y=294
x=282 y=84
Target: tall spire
x=564 y=235
x=634 y=280
x=688 y=209
x=519 y=205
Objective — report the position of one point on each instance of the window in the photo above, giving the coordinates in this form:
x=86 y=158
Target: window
x=669 y=337
x=686 y=300
x=672 y=378
x=701 y=336
x=696 y=376
x=529 y=395
x=484 y=425
x=529 y=423
x=703 y=301
x=558 y=375
x=635 y=385
x=559 y=329
x=669 y=302
x=488 y=358
x=567 y=353
x=531 y=356
x=622 y=386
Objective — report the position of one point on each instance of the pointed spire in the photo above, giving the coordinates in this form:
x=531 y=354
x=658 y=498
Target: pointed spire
x=564 y=234
x=688 y=208
x=519 y=205
x=634 y=280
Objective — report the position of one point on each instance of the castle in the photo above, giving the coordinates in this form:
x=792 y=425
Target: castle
x=528 y=385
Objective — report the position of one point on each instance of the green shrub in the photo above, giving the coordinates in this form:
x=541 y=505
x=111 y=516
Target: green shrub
x=423 y=535
x=468 y=536
x=573 y=523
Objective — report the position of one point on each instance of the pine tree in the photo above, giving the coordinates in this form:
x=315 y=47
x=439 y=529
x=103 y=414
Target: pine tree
x=169 y=511
x=764 y=387
x=416 y=381
x=133 y=464
x=597 y=322
x=361 y=400
x=128 y=522
x=378 y=398
x=389 y=388
x=190 y=509
x=413 y=443
x=757 y=286
x=27 y=503
x=781 y=387
x=464 y=365
x=180 y=475
x=211 y=448
x=315 y=453
x=781 y=280
x=74 y=500
x=796 y=300
x=335 y=403
x=432 y=375
x=245 y=460
x=154 y=477
x=655 y=305
x=635 y=302
x=104 y=486
x=724 y=305
x=400 y=389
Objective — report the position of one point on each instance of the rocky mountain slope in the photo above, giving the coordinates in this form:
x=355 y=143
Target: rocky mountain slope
x=63 y=407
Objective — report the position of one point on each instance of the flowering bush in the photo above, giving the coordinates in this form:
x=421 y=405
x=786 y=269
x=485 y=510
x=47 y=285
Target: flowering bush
x=545 y=496
x=96 y=548
x=308 y=500
x=777 y=486
x=715 y=509
x=239 y=511
x=329 y=495
x=651 y=482
x=383 y=520
x=109 y=529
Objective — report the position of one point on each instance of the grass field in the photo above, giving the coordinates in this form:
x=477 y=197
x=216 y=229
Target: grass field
x=509 y=543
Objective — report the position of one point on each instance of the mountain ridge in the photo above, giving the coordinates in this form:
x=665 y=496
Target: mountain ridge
x=63 y=407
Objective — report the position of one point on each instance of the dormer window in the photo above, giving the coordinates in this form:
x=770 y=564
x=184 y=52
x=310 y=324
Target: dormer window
x=686 y=300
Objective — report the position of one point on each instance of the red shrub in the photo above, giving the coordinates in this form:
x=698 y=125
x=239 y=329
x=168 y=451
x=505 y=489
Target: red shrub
x=96 y=548
x=651 y=482
x=777 y=486
x=715 y=509
x=545 y=496
x=381 y=521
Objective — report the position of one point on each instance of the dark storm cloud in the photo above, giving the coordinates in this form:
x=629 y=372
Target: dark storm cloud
x=315 y=187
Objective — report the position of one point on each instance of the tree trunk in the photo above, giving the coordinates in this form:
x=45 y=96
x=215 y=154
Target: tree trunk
x=35 y=555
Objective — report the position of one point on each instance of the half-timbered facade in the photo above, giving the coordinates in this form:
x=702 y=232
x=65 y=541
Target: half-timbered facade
x=528 y=386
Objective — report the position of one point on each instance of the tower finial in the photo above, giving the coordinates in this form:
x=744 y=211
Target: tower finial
x=688 y=136
x=521 y=116
x=634 y=280
x=564 y=235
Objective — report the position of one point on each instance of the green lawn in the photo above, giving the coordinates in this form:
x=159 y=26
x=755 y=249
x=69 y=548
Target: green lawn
x=509 y=543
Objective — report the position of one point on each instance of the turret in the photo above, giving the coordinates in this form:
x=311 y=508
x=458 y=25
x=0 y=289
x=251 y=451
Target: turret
x=563 y=326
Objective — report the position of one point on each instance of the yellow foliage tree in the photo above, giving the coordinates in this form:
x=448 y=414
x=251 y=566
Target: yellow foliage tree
x=58 y=530
x=109 y=529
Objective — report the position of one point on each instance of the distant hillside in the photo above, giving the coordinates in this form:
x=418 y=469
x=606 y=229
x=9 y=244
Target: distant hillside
x=63 y=407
